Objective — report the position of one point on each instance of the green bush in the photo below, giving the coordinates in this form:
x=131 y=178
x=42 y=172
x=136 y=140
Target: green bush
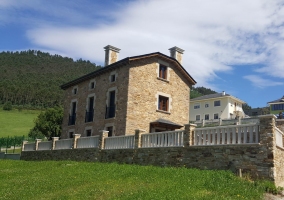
x=8 y=106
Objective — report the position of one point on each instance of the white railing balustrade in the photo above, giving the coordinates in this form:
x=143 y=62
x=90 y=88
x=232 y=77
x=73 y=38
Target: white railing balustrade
x=234 y=134
x=64 y=144
x=44 y=145
x=163 y=139
x=29 y=147
x=120 y=142
x=88 y=142
x=279 y=137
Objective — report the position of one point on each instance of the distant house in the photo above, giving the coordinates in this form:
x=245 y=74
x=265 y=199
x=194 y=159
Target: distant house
x=276 y=106
x=257 y=111
x=215 y=106
x=149 y=92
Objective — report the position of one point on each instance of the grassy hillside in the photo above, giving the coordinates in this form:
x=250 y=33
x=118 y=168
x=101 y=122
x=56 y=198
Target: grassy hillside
x=16 y=123
x=80 y=180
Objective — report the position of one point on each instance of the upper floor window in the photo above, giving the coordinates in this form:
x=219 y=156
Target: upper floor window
x=163 y=70
x=196 y=106
x=92 y=85
x=89 y=133
x=217 y=103
x=163 y=103
x=277 y=107
x=206 y=105
x=75 y=90
x=112 y=78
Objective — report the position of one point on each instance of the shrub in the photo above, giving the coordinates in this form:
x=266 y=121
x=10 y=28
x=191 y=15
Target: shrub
x=7 y=106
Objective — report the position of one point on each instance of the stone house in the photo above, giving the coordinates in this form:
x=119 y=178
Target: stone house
x=149 y=92
x=216 y=106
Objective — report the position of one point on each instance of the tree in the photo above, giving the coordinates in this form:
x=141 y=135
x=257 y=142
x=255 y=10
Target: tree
x=246 y=107
x=8 y=106
x=48 y=123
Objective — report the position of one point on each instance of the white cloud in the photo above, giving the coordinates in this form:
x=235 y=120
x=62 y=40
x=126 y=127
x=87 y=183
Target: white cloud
x=259 y=82
x=215 y=34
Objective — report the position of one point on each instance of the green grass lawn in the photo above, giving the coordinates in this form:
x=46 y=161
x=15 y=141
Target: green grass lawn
x=16 y=123
x=82 y=180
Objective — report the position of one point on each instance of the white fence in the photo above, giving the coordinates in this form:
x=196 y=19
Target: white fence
x=120 y=142
x=279 y=137
x=162 y=139
x=64 y=144
x=29 y=147
x=88 y=142
x=235 y=134
x=45 y=145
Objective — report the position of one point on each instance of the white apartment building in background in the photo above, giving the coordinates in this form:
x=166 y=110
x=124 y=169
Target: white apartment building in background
x=216 y=106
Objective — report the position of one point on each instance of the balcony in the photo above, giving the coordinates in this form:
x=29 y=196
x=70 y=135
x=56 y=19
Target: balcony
x=72 y=120
x=89 y=116
x=110 y=112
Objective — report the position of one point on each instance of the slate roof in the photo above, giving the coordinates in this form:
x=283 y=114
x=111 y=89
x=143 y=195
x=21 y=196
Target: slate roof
x=281 y=100
x=211 y=96
x=123 y=62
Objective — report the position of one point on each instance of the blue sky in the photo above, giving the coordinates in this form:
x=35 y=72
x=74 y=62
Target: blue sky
x=231 y=46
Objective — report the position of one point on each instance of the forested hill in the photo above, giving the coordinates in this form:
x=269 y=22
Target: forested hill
x=200 y=91
x=32 y=78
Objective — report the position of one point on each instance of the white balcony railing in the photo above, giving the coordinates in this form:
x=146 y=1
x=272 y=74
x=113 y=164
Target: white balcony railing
x=29 y=147
x=64 y=144
x=120 y=142
x=44 y=145
x=162 y=139
x=234 y=134
x=88 y=142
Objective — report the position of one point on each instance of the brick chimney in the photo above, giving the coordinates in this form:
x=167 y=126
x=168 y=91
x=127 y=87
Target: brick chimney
x=176 y=53
x=111 y=54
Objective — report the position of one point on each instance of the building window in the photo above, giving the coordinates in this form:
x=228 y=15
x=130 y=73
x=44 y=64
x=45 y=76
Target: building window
x=277 y=107
x=89 y=133
x=75 y=90
x=89 y=116
x=112 y=78
x=216 y=116
x=71 y=134
x=197 y=118
x=217 y=103
x=196 y=106
x=206 y=105
x=110 y=131
x=206 y=117
x=163 y=72
x=92 y=85
x=163 y=103
x=72 y=115
x=110 y=108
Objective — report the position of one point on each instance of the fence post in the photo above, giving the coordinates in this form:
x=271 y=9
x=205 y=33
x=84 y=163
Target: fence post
x=103 y=135
x=138 y=142
x=53 y=142
x=267 y=139
x=75 y=138
x=36 y=143
x=23 y=144
x=188 y=135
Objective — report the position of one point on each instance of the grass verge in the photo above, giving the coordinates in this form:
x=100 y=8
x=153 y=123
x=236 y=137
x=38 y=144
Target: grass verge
x=82 y=180
x=16 y=123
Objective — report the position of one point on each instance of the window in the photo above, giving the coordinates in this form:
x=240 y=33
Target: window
x=112 y=78
x=277 y=107
x=110 y=108
x=92 y=85
x=197 y=118
x=75 y=90
x=71 y=134
x=216 y=116
x=163 y=72
x=89 y=133
x=90 y=110
x=206 y=105
x=207 y=117
x=217 y=103
x=196 y=106
x=163 y=103
x=72 y=115
x=110 y=130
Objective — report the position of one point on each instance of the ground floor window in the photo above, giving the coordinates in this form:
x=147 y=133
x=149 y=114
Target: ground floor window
x=216 y=116
x=206 y=117
x=197 y=118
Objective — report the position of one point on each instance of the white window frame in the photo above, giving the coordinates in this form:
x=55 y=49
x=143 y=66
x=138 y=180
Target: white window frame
x=90 y=84
x=217 y=115
x=196 y=106
x=164 y=95
x=161 y=62
x=219 y=103
x=206 y=115
x=196 y=118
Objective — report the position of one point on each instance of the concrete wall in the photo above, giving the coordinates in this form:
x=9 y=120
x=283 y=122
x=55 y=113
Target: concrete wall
x=10 y=156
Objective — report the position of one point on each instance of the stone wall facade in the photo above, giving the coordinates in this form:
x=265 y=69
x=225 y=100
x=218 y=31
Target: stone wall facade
x=137 y=87
x=262 y=160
